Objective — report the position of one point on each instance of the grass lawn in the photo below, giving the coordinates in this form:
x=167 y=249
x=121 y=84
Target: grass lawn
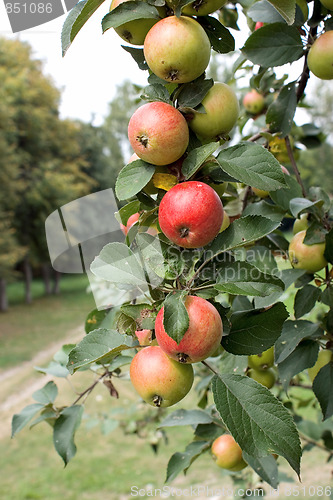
x=27 y=329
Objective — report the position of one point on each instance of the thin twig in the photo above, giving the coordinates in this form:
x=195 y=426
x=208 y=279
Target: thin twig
x=91 y=387
x=209 y=367
x=294 y=164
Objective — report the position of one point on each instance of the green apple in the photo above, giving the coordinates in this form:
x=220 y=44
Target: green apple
x=320 y=56
x=260 y=192
x=227 y=453
x=134 y=32
x=324 y=357
x=177 y=49
x=221 y=113
x=308 y=257
x=262 y=361
x=327 y=3
x=301 y=224
x=266 y=378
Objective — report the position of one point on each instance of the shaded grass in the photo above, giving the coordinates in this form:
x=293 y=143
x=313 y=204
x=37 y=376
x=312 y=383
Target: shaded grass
x=27 y=329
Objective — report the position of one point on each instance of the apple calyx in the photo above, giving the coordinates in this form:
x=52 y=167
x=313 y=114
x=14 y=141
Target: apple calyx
x=184 y=232
x=183 y=358
x=172 y=75
x=143 y=139
x=157 y=401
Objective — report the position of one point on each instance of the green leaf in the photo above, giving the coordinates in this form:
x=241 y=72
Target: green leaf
x=283 y=196
x=47 y=394
x=323 y=389
x=186 y=417
x=258 y=421
x=266 y=467
x=265 y=209
x=191 y=94
x=280 y=114
x=129 y=11
x=274 y=45
x=264 y=12
x=298 y=205
x=329 y=247
x=133 y=177
x=74 y=13
x=156 y=92
x=175 y=317
x=304 y=356
x=242 y=231
x=126 y=211
x=241 y=278
x=293 y=333
x=100 y=345
x=118 y=264
x=196 y=158
x=138 y=56
x=287 y=9
x=253 y=165
x=306 y=299
x=88 y=9
x=253 y=332
x=181 y=461
x=288 y=276
x=219 y=36
x=94 y=319
x=53 y=368
x=21 y=419
x=153 y=254
x=64 y=432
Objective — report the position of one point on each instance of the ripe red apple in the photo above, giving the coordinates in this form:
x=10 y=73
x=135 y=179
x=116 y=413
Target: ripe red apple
x=144 y=336
x=191 y=214
x=253 y=102
x=258 y=25
x=320 y=56
x=327 y=3
x=266 y=378
x=131 y=220
x=324 y=357
x=301 y=224
x=202 y=338
x=308 y=257
x=134 y=32
x=262 y=361
x=202 y=7
x=222 y=110
x=177 y=49
x=227 y=453
x=158 y=133
x=159 y=380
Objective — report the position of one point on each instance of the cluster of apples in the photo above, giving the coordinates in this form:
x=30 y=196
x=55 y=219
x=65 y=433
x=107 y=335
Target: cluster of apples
x=261 y=368
x=191 y=214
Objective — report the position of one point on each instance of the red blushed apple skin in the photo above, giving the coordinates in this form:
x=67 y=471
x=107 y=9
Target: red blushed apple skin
x=131 y=220
x=191 y=214
x=201 y=339
x=159 y=380
x=228 y=453
x=158 y=133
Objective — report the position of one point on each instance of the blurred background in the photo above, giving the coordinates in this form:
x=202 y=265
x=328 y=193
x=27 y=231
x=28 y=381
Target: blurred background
x=63 y=135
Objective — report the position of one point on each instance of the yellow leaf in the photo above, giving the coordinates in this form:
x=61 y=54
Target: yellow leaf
x=164 y=181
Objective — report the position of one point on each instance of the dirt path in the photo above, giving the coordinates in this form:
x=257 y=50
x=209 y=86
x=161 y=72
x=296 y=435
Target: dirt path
x=18 y=384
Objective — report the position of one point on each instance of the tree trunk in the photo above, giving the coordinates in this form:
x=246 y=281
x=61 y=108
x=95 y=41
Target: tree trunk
x=46 y=278
x=3 y=296
x=56 y=283
x=27 y=279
